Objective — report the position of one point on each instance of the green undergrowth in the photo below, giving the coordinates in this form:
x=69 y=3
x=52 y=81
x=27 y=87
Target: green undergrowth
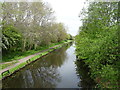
x=97 y=43
x=19 y=55
x=101 y=56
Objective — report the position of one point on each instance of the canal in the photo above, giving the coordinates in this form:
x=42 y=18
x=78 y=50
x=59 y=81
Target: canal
x=55 y=70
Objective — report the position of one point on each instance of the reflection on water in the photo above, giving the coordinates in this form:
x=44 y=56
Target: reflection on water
x=83 y=72
x=55 y=70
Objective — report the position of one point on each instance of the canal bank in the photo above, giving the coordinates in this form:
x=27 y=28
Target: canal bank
x=55 y=70
x=27 y=60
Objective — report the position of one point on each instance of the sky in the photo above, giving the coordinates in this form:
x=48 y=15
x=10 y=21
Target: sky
x=67 y=12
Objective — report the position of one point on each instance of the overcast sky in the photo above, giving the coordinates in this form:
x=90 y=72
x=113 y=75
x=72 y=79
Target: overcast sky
x=67 y=12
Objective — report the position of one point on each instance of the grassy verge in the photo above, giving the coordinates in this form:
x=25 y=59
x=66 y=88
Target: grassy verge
x=8 y=64
x=33 y=58
x=19 y=55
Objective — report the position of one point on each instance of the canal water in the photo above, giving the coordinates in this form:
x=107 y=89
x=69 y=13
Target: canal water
x=55 y=70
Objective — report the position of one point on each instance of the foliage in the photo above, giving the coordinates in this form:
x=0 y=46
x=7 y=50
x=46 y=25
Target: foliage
x=10 y=36
x=19 y=55
x=97 y=43
x=29 y=26
x=70 y=37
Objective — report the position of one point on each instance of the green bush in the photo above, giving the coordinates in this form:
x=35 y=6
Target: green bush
x=97 y=44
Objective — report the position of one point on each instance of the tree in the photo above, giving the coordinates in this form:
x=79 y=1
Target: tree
x=31 y=24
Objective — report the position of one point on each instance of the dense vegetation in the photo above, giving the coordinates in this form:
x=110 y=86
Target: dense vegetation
x=29 y=26
x=97 y=43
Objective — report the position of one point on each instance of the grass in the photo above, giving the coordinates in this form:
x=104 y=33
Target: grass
x=13 y=69
x=32 y=59
x=8 y=64
x=19 y=55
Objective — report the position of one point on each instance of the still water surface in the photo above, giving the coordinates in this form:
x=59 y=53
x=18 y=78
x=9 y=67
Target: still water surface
x=55 y=70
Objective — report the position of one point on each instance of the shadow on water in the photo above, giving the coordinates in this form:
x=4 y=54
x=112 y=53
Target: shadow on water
x=83 y=73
